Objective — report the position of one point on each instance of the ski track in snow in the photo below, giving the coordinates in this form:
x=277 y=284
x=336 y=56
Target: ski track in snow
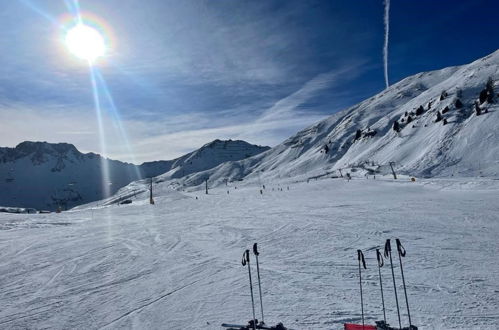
x=176 y=265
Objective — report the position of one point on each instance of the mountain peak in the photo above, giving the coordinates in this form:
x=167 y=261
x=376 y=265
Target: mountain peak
x=38 y=151
x=218 y=142
x=211 y=155
x=28 y=147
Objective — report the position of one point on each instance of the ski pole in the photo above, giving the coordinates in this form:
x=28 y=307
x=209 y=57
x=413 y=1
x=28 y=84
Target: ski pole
x=255 y=251
x=246 y=260
x=379 y=256
x=388 y=252
x=402 y=253
x=360 y=256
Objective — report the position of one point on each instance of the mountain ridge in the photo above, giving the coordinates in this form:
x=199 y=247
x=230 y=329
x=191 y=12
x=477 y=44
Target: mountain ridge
x=45 y=175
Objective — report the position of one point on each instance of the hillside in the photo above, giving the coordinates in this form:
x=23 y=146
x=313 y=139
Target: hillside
x=447 y=126
x=211 y=155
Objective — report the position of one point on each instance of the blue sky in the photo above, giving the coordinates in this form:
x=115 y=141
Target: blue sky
x=182 y=73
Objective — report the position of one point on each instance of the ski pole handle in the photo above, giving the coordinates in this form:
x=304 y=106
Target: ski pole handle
x=246 y=258
x=379 y=256
x=360 y=257
x=255 y=249
x=400 y=248
x=388 y=248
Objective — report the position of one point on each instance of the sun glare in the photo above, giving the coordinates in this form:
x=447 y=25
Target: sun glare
x=85 y=42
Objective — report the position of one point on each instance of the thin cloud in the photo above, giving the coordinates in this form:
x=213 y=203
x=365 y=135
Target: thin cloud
x=310 y=89
x=169 y=136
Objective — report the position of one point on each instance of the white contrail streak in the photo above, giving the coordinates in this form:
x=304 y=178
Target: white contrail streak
x=387 y=32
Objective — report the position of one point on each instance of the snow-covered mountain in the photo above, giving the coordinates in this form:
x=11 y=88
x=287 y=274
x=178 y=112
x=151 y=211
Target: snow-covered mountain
x=211 y=155
x=45 y=175
x=439 y=123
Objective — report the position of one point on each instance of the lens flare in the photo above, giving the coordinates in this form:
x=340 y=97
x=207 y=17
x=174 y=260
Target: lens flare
x=86 y=36
x=85 y=42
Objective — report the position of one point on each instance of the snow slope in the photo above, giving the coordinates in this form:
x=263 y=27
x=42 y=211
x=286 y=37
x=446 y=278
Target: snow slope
x=44 y=175
x=176 y=264
x=467 y=145
x=211 y=155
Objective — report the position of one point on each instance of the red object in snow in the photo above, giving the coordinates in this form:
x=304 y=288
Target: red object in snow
x=351 y=326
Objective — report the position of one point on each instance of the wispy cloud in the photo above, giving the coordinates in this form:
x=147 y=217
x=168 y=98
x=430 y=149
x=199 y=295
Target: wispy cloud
x=169 y=136
x=161 y=139
x=291 y=104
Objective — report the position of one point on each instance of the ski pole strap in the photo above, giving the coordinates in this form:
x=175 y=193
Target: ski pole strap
x=360 y=256
x=379 y=256
x=255 y=249
x=388 y=248
x=245 y=259
x=400 y=248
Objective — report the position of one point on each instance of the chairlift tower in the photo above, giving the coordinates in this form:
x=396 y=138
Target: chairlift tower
x=393 y=171
x=151 y=200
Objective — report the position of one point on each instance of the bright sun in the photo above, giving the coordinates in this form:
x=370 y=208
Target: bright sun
x=85 y=42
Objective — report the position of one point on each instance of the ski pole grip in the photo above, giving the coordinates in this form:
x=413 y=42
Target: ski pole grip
x=379 y=256
x=245 y=259
x=388 y=248
x=255 y=249
x=360 y=257
x=400 y=248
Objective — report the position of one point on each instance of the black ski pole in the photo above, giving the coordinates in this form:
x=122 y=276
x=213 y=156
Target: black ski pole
x=379 y=256
x=360 y=256
x=246 y=260
x=402 y=253
x=388 y=252
x=255 y=251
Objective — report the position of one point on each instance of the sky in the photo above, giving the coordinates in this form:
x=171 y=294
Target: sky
x=179 y=74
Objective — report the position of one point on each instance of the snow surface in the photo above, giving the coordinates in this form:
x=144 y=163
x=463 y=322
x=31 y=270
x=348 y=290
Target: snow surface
x=176 y=264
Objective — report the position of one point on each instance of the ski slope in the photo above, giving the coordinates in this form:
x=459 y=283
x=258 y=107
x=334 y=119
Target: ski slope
x=176 y=264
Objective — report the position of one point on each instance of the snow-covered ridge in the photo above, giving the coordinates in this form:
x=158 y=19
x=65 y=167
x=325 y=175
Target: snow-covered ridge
x=446 y=125
x=40 y=152
x=211 y=155
x=47 y=175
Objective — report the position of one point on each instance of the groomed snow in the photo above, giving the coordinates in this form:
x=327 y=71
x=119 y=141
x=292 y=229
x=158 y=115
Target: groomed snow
x=176 y=265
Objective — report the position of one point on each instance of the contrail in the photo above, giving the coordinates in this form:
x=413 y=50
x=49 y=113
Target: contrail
x=387 y=32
